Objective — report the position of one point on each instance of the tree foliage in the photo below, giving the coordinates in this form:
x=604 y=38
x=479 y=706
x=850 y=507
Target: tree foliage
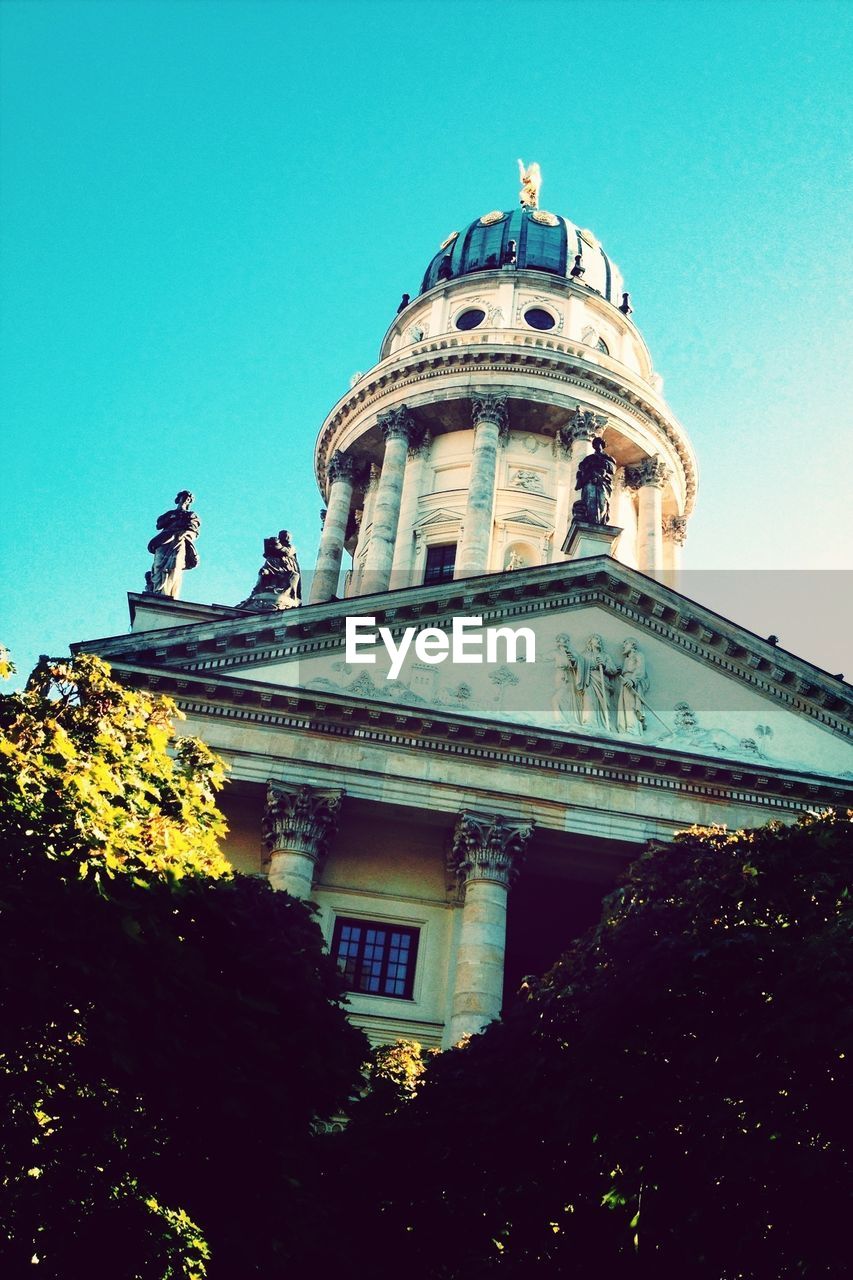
x=85 y=777
x=170 y=1030
x=671 y=1099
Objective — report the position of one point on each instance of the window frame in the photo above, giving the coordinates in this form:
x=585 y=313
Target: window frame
x=545 y=311
x=438 y=578
x=361 y=971
x=470 y=308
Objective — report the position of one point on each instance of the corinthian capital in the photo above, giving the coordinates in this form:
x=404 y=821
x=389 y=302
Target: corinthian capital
x=420 y=443
x=651 y=471
x=675 y=529
x=397 y=423
x=488 y=848
x=488 y=408
x=341 y=467
x=300 y=819
x=582 y=425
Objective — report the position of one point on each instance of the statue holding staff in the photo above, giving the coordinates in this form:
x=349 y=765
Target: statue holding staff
x=633 y=687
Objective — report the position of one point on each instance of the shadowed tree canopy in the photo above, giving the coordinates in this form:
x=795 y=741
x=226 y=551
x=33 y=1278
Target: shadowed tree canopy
x=170 y=1030
x=672 y=1099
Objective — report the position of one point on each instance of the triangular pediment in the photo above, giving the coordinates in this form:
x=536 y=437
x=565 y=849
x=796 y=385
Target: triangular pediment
x=667 y=672
x=528 y=518
x=444 y=515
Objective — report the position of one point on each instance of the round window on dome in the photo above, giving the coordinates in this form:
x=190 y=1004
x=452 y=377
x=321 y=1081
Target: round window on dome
x=539 y=318
x=471 y=318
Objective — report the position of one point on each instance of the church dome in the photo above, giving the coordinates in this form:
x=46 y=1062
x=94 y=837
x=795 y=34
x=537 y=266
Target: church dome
x=527 y=240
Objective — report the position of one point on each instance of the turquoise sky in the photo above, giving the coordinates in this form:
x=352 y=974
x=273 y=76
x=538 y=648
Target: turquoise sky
x=210 y=210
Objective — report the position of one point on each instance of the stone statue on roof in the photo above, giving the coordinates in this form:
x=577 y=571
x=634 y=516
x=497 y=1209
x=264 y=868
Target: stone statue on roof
x=173 y=548
x=278 y=584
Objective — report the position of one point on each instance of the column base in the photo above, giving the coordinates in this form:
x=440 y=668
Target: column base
x=585 y=540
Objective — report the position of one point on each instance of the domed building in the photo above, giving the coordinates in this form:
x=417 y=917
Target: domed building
x=518 y=348
x=495 y=695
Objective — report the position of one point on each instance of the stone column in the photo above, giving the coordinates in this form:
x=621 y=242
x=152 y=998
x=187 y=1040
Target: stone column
x=491 y=424
x=404 y=551
x=572 y=443
x=649 y=479
x=562 y=492
x=582 y=426
x=328 y=570
x=674 y=536
x=398 y=429
x=298 y=824
x=485 y=856
x=364 y=528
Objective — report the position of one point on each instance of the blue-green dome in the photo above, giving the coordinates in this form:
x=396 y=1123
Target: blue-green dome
x=527 y=239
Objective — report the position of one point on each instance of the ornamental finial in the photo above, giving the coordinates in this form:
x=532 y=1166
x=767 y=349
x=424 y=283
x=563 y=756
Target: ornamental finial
x=531 y=181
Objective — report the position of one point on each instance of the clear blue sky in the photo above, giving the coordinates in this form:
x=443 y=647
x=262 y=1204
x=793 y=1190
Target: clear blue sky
x=210 y=210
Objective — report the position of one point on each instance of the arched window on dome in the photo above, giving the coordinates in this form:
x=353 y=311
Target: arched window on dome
x=602 y=346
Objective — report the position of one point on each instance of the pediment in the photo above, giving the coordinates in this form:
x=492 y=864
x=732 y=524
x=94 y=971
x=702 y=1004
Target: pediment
x=443 y=516
x=526 y=517
x=703 y=685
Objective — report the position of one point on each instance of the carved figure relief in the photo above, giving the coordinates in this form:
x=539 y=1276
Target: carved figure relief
x=590 y=690
x=595 y=668
x=503 y=679
x=690 y=731
x=633 y=686
x=531 y=481
x=567 y=703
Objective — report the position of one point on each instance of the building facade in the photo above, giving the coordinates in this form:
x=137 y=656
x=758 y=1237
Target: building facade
x=457 y=820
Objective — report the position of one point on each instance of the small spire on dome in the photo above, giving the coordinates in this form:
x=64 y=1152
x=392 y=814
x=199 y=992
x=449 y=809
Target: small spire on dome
x=531 y=181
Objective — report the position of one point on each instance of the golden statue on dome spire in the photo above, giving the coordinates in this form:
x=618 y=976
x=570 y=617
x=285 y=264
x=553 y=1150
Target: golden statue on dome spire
x=531 y=181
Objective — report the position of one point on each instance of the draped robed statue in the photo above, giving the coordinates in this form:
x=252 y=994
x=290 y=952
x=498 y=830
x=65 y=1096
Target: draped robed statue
x=279 y=577
x=595 y=668
x=594 y=482
x=173 y=548
x=633 y=687
x=567 y=702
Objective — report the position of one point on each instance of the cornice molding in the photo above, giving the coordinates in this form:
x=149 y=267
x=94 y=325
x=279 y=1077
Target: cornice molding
x=235 y=644
x=558 y=363
x=425 y=729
